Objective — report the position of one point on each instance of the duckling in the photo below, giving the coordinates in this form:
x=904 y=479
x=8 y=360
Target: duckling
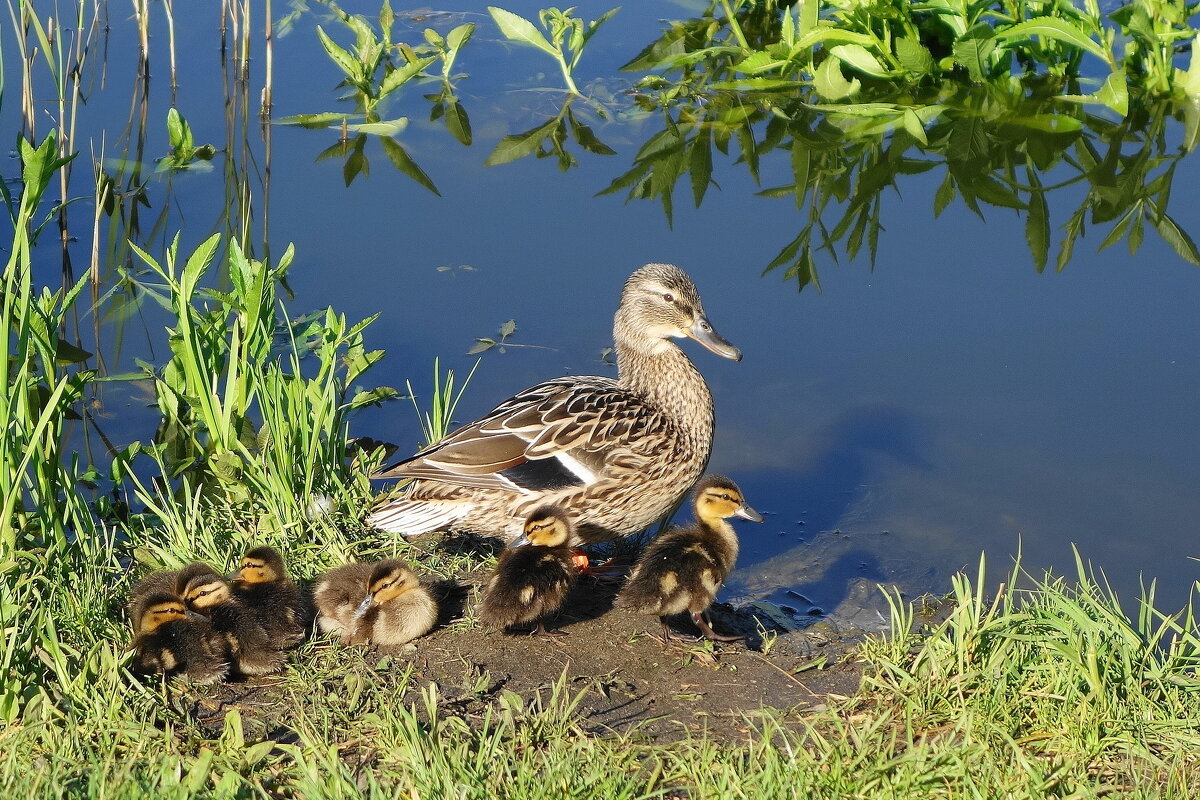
x=382 y=603
x=682 y=569
x=207 y=593
x=262 y=585
x=531 y=581
x=174 y=642
x=154 y=583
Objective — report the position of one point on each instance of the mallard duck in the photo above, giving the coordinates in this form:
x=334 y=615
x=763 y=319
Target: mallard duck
x=532 y=580
x=615 y=454
x=382 y=603
x=262 y=585
x=207 y=593
x=172 y=641
x=682 y=569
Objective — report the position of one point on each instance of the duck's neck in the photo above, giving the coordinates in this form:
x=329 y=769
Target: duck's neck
x=663 y=375
x=724 y=530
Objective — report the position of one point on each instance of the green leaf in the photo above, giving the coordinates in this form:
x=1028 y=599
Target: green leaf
x=402 y=75
x=457 y=122
x=518 y=29
x=974 y=49
x=860 y=58
x=174 y=129
x=831 y=84
x=914 y=56
x=519 y=145
x=345 y=62
x=401 y=161
x=323 y=120
x=458 y=37
x=1037 y=221
x=1177 y=237
x=1115 y=93
x=387 y=128
x=587 y=138
x=912 y=124
x=1054 y=28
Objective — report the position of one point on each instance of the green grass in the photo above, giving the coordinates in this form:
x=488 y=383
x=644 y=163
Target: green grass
x=1049 y=691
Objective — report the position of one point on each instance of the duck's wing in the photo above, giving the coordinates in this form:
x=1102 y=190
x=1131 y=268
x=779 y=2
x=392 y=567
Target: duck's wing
x=557 y=434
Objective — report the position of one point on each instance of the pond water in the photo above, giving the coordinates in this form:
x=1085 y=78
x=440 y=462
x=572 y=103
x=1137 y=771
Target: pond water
x=949 y=400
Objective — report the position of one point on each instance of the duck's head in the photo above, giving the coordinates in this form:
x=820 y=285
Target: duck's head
x=717 y=497
x=547 y=526
x=389 y=579
x=203 y=589
x=660 y=302
x=260 y=565
x=159 y=609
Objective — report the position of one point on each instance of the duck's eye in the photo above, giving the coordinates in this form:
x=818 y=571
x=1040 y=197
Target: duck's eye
x=670 y=298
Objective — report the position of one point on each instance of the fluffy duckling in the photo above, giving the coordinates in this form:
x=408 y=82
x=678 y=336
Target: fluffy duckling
x=155 y=582
x=382 y=603
x=207 y=593
x=174 y=642
x=682 y=569
x=262 y=585
x=532 y=580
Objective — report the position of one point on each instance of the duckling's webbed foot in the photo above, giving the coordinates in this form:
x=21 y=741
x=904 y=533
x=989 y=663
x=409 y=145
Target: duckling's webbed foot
x=708 y=632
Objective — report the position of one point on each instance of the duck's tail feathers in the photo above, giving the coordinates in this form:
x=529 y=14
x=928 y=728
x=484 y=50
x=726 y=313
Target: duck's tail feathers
x=413 y=517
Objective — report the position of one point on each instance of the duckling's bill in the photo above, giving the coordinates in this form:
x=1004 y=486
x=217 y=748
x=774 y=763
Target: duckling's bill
x=746 y=512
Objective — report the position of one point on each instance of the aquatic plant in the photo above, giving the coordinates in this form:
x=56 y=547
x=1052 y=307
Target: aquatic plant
x=568 y=35
x=185 y=153
x=374 y=68
x=244 y=432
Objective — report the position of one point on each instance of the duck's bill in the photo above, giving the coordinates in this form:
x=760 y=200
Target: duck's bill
x=746 y=512
x=704 y=333
x=520 y=541
x=362 y=607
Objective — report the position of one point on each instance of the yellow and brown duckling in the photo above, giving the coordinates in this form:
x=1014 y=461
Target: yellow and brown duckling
x=684 y=567
x=532 y=580
x=207 y=593
x=154 y=583
x=380 y=603
x=262 y=585
x=173 y=641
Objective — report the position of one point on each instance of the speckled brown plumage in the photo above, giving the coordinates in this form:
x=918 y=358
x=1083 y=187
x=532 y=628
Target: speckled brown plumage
x=615 y=454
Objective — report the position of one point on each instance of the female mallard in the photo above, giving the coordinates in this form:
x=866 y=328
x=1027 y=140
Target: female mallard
x=617 y=455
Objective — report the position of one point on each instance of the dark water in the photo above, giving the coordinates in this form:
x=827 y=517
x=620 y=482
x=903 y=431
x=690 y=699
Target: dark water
x=892 y=426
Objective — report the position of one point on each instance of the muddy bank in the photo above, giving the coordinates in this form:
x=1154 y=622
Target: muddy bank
x=630 y=679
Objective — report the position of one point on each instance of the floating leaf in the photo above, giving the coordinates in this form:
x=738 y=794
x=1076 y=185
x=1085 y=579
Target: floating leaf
x=519 y=29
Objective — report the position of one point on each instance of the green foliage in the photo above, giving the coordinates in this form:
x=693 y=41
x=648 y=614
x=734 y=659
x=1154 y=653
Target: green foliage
x=568 y=35
x=245 y=431
x=185 y=154
x=374 y=68
x=443 y=399
x=44 y=382
x=857 y=95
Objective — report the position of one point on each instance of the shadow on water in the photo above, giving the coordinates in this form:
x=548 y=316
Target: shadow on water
x=834 y=480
